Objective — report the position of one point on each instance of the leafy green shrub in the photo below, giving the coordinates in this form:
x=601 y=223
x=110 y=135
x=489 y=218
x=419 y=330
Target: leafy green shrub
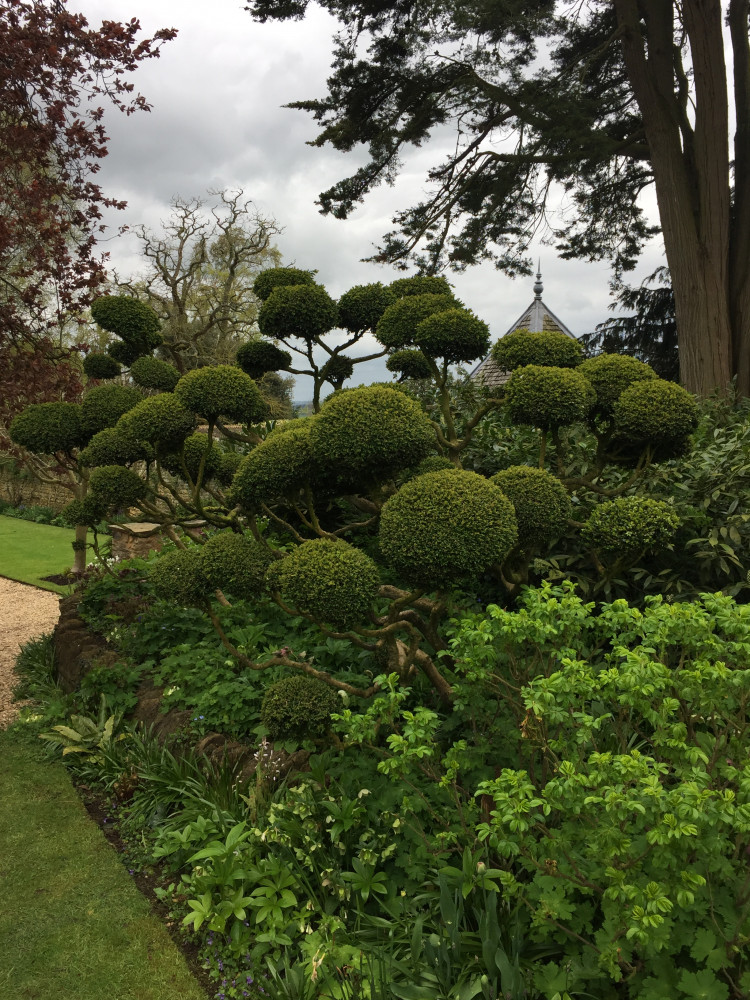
x=221 y=390
x=398 y=324
x=361 y=307
x=46 y=428
x=409 y=363
x=159 y=420
x=330 y=580
x=229 y=463
x=100 y=366
x=656 y=412
x=454 y=334
x=103 y=406
x=630 y=525
x=276 y=277
x=178 y=577
x=195 y=450
x=421 y=284
x=276 y=469
x=150 y=373
x=235 y=563
x=547 y=396
x=135 y=323
x=116 y=486
x=541 y=502
x=434 y=463
x=338 y=369
x=548 y=348
x=611 y=375
x=87 y=512
x=257 y=357
x=112 y=447
x=446 y=525
x=298 y=708
x=304 y=311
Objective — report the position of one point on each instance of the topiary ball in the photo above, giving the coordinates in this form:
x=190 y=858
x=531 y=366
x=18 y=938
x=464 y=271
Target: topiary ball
x=398 y=324
x=178 y=577
x=103 y=406
x=629 y=525
x=236 y=564
x=87 y=512
x=115 y=486
x=125 y=354
x=434 y=463
x=298 y=708
x=100 y=366
x=456 y=335
x=409 y=364
x=548 y=397
x=221 y=390
x=370 y=432
x=229 y=463
x=276 y=469
x=159 y=420
x=257 y=357
x=611 y=375
x=657 y=413
x=46 y=428
x=133 y=321
x=540 y=500
x=303 y=311
x=447 y=525
x=421 y=284
x=548 y=348
x=338 y=369
x=193 y=450
x=362 y=306
x=277 y=277
x=150 y=373
x=329 y=580
x=112 y=447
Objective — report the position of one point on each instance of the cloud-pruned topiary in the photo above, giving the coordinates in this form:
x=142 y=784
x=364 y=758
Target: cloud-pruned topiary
x=150 y=373
x=229 y=463
x=657 y=413
x=540 y=500
x=159 y=420
x=629 y=525
x=101 y=366
x=409 y=364
x=178 y=577
x=434 y=463
x=115 y=486
x=235 y=563
x=611 y=375
x=135 y=323
x=194 y=449
x=112 y=447
x=87 y=512
x=103 y=406
x=298 y=708
x=46 y=428
x=338 y=369
x=456 y=335
x=399 y=322
x=257 y=357
x=548 y=348
x=361 y=307
x=548 y=397
x=421 y=284
x=370 y=432
x=302 y=311
x=278 y=277
x=330 y=580
x=444 y=526
x=277 y=469
x=221 y=390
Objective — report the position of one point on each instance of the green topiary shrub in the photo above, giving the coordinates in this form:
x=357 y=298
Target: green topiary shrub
x=338 y=369
x=178 y=577
x=611 y=375
x=370 y=432
x=112 y=447
x=135 y=323
x=421 y=284
x=456 y=335
x=236 y=564
x=409 y=363
x=125 y=354
x=330 y=580
x=100 y=366
x=46 y=428
x=160 y=420
x=193 y=450
x=298 y=708
x=103 y=406
x=221 y=390
x=304 y=311
x=115 y=486
x=229 y=463
x=548 y=397
x=657 y=413
x=276 y=469
x=150 y=373
x=276 y=277
x=540 y=500
x=399 y=322
x=257 y=357
x=434 y=463
x=362 y=306
x=87 y=513
x=549 y=348
x=447 y=525
x=629 y=525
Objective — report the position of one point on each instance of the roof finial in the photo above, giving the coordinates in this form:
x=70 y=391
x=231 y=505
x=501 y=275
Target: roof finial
x=538 y=286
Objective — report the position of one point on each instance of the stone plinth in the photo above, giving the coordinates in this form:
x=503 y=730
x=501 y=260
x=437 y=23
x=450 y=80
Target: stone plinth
x=135 y=539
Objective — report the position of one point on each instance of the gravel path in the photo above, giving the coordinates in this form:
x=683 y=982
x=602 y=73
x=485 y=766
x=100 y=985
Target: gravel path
x=25 y=613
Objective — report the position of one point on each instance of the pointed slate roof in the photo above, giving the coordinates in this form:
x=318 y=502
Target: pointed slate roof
x=538 y=317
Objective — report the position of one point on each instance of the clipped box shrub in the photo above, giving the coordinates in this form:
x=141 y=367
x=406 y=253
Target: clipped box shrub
x=101 y=366
x=409 y=363
x=421 y=284
x=338 y=369
x=86 y=513
x=178 y=577
x=150 y=373
x=304 y=311
x=611 y=375
x=194 y=448
x=454 y=334
x=46 y=428
x=548 y=348
x=628 y=525
x=235 y=563
x=656 y=412
x=103 y=406
x=135 y=323
x=444 y=526
x=361 y=307
x=276 y=469
x=277 y=277
x=115 y=486
x=112 y=447
x=548 y=397
x=399 y=322
x=221 y=390
x=540 y=500
x=159 y=420
x=257 y=357
x=298 y=708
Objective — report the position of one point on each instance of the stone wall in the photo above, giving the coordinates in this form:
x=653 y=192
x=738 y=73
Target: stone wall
x=32 y=493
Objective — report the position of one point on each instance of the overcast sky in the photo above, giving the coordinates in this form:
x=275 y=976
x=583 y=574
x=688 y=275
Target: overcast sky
x=218 y=121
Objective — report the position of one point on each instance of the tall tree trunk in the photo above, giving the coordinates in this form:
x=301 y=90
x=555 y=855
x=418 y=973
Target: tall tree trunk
x=739 y=260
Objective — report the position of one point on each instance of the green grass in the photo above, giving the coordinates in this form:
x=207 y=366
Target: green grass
x=30 y=551
x=72 y=924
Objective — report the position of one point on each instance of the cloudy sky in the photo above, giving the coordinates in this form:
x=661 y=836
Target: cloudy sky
x=218 y=121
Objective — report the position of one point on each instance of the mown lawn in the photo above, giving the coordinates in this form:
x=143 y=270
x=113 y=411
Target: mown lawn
x=72 y=924
x=30 y=551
